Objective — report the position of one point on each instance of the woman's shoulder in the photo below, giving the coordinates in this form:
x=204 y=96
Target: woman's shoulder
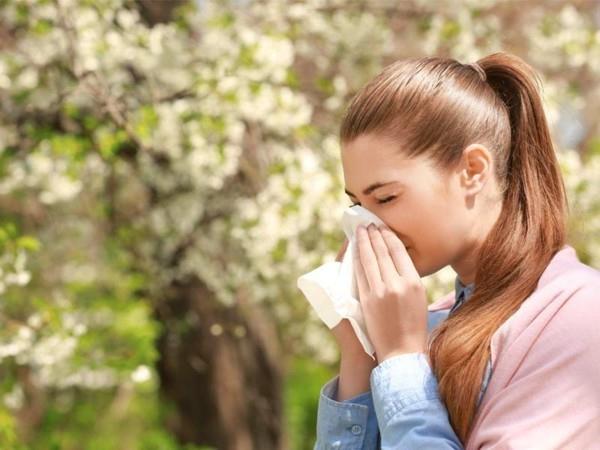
x=576 y=288
x=568 y=328
x=563 y=313
x=581 y=289
x=566 y=269
x=565 y=281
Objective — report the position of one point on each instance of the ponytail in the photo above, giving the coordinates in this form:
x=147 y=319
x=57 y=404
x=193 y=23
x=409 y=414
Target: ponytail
x=530 y=230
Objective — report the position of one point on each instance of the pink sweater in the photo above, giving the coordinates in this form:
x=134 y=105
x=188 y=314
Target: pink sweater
x=544 y=391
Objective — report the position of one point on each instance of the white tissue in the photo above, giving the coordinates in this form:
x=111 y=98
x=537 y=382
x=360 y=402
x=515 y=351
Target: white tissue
x=331 y=288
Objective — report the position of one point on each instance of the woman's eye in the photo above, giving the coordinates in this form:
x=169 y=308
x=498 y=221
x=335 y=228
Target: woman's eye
x=387 y=199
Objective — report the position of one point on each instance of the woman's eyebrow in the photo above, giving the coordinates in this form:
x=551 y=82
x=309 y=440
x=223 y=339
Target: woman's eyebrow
x=371 y=188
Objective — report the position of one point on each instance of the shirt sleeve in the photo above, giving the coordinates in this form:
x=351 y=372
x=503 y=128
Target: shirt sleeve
x=409 y=410
x=350 y=424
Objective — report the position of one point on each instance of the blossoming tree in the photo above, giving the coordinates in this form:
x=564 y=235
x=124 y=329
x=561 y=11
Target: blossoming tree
x=169 y=171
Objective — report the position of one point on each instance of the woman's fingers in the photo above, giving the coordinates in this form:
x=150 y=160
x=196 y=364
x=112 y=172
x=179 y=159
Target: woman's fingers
x=402 y=261
x=387 y=268
x=361 y=279
x=367 y=258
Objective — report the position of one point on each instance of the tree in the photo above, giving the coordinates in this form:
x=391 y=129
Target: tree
x=175 y=170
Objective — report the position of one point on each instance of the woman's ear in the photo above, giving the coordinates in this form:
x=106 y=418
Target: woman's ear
x=476 y=168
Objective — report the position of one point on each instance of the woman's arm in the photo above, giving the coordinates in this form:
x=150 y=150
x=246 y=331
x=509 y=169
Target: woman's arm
x=346 y=414
x=351 y=421
x=349 y=424
x=402 y=410
x=355 y=364
x=409 y=410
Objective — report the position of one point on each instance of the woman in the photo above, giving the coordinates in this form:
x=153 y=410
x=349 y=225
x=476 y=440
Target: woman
x=458 y=161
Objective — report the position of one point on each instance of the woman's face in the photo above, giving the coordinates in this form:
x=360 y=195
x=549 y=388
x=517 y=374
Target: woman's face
x=428 y=209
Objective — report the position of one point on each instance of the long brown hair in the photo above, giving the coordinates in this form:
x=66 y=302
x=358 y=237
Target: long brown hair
x=437 y=106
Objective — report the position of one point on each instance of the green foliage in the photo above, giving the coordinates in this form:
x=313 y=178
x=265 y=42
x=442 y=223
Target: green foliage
x=303 y=384
x=11 y=240
x=129 y=418
x=8 y=434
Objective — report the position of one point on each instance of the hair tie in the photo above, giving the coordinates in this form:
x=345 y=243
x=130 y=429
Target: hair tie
x=479 y=70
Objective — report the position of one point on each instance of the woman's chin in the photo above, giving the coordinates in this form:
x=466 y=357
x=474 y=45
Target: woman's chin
x=413 y=258
x=422 y=270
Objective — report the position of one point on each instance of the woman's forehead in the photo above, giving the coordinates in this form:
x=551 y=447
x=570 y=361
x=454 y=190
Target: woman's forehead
x=372 y=161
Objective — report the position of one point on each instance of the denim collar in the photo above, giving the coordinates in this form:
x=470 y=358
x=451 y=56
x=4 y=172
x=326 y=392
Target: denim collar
x=461 y=293
x=459 y=287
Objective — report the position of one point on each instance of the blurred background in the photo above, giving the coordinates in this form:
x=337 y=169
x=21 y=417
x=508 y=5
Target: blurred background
x=168 y=170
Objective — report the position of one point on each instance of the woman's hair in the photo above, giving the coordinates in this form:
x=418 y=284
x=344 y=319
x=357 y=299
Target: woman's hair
x=437 y=106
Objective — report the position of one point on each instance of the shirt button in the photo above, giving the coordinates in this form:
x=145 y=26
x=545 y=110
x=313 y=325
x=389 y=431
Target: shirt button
x=356 y=429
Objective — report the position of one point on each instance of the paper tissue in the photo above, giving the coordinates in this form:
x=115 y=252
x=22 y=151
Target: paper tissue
x=331 y=288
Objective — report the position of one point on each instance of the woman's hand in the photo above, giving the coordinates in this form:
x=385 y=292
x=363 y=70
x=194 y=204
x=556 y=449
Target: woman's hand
x=392 y=297
x=355 y=364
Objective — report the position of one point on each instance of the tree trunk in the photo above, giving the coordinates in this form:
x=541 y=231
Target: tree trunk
x=220 y=368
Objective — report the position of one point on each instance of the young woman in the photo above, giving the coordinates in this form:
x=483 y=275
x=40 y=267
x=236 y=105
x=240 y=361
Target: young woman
x=458 y=161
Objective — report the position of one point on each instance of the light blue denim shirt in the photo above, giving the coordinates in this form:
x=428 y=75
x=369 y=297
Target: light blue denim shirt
x=402 y=410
